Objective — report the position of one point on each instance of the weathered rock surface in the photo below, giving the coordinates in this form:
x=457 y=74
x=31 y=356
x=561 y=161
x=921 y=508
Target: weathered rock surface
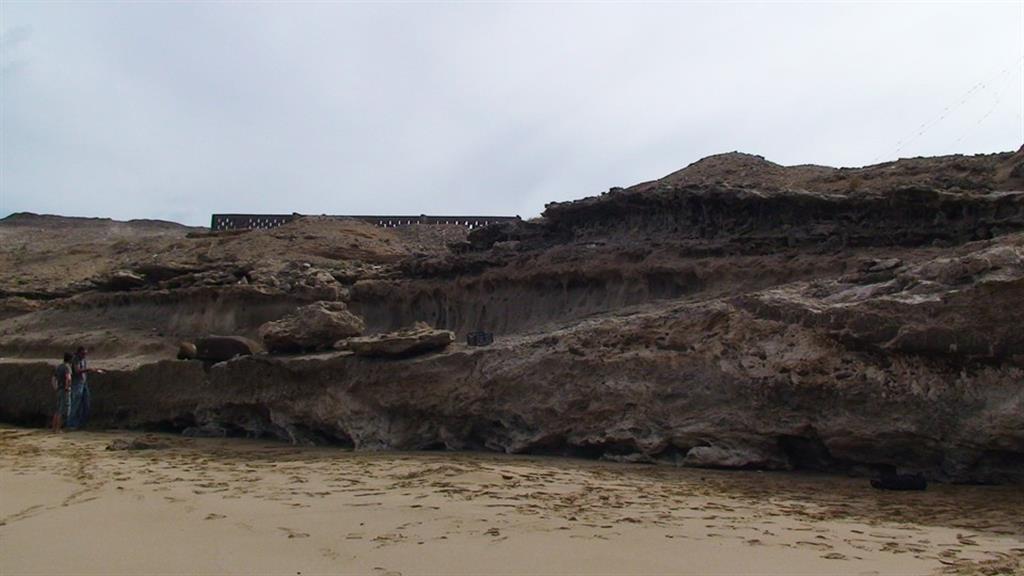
x=122 y=280
x=16 y=306
x=734 y=314
x=708 y=383
x=311 y=327
x=961 y=308
x=764 y=221
x=207 y=430
x=221 y=348
x=418 y=339
x=766 y=457
x=302 y=279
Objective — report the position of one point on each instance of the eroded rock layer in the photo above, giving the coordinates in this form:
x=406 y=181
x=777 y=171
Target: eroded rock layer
x=734 y=314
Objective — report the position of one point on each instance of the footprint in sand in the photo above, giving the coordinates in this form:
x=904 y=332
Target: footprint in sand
x=818 y=545
x=388 y=539
x=292 y=533
x=27 y=512
x=860 y=544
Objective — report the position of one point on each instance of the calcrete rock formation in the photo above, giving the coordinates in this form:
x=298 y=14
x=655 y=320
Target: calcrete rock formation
x=743 y=457
x=686 y=383
x=302 y=280
x=122 y=280
x=962 y=308
x=418 y=339
x=311 y=327
x=734 y=314
x=16 y=306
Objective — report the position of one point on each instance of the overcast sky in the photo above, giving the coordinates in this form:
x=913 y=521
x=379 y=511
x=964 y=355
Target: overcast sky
x=176 y=110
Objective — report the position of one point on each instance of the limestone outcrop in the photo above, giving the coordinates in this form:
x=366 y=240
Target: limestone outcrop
x=311 y=327
x=122 y=280
x=302 y=279
x=697 y=383
x=418 y=339
x=735 y=314
x=962 y=308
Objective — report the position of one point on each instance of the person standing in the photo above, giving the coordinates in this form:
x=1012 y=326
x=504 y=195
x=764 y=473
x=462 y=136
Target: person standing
x=61 y=382
x=81 y=402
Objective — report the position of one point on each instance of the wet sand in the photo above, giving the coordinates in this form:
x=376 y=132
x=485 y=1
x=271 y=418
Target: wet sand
x=230 y=506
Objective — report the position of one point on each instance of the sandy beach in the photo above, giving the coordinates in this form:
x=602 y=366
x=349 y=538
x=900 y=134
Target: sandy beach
x=231 y=506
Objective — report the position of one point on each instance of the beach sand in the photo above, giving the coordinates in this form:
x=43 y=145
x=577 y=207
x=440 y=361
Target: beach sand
x=230 y=506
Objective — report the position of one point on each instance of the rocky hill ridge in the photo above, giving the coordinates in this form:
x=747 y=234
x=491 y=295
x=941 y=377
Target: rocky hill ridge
x=733 y=314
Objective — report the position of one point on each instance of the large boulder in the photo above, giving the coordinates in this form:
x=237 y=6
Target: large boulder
x=187 y=351
x=311 y=327
x=418 y=339
x=221 y=348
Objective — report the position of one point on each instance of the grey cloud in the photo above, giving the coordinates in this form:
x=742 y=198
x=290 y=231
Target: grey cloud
x=177 y=110
x=10 y=41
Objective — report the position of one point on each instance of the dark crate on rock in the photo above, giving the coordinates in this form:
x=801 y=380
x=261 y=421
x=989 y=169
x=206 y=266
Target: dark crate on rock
x=479 y=338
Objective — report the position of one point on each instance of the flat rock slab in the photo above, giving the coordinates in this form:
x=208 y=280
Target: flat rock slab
x=399 y=344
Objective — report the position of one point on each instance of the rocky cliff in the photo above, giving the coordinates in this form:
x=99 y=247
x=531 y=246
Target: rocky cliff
x=734 y=314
